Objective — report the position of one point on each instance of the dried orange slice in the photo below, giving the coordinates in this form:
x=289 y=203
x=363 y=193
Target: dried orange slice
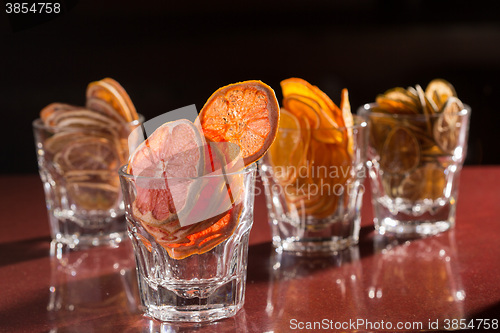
x=345 y=106
x=113 y=93
x=401 y=152
x=245 y=113
x=303 y=108
x=326 y=145
x=329 y=114
x=286 y=153
x=394 y=106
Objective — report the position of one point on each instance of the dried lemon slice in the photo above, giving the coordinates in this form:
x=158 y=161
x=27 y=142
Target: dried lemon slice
x=425 y=182
x=447 y=127
x=404 y=96
x=439 y=90
x=401 y=152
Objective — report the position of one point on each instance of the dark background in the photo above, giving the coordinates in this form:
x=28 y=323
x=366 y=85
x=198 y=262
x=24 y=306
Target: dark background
x=170 y=54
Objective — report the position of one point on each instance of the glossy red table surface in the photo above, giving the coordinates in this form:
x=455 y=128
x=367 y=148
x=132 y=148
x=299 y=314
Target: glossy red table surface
x=379 y=283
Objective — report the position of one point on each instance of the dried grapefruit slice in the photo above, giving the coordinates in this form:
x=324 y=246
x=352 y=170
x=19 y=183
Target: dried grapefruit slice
x=245 y=113
x=164 y=163
x=113 y=93
x=169 y=161
x=199 y=238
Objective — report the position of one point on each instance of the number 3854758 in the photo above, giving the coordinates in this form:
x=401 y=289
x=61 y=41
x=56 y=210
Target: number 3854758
x=34 y=8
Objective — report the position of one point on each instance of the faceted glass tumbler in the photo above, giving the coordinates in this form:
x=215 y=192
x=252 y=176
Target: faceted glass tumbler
x=314 y=188
x=414 y=163
x=202 y=276
x=78 y=167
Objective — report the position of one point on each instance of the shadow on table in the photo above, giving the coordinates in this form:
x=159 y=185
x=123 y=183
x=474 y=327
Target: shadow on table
x=263 y=256
x=491 y=313
x=16 y=252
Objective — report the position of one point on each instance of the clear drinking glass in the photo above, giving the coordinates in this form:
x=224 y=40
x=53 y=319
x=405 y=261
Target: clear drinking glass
x=414 y=163
x=314 y=190
x=79 y=170
x=189 y=271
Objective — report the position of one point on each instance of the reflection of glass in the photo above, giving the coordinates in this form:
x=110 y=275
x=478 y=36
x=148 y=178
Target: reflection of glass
x=414 y=163
x=299 y=284
x=196 y=272
x=79 y=169
x=314 y=187
x=421 y=273
x=93 y=284
x=238 y=323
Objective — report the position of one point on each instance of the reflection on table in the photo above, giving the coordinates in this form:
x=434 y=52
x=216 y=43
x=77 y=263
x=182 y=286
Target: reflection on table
x=90 y=285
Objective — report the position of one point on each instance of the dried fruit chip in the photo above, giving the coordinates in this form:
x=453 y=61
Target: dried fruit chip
x=245 y=113
x=330 y=116
x=447 y=127
x=439 y=90
x=287 y=151
x=401 y=152
x=113 y=93
x=426 y=182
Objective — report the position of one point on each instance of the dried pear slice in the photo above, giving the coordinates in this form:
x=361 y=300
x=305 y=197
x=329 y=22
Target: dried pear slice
x=401 y=152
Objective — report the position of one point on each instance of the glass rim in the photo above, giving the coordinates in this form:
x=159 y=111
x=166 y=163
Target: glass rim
x=248 y=169
x=359 y=122
x=366 y=109
x=39 y=124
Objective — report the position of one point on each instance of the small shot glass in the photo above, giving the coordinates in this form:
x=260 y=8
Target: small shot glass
x=314 y=188
x=192 y=268
x=78 y=166
x=414 y=163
